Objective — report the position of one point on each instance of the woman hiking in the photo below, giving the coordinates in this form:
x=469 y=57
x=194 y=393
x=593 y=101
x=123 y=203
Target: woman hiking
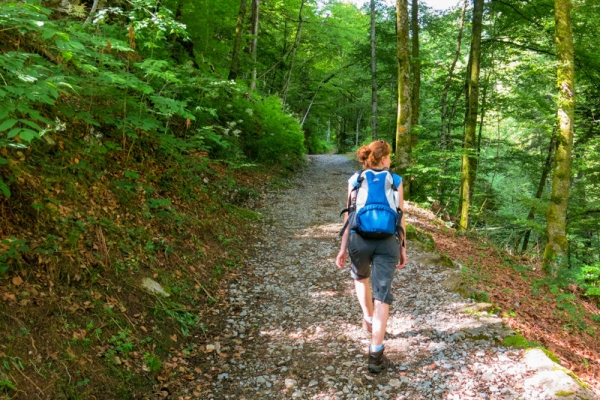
x=374 y=255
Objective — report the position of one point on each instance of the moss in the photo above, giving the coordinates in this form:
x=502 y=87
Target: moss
x=563 y=393
x=418 y=235
x=577 y=379
x=551 y=355
x=519 y=342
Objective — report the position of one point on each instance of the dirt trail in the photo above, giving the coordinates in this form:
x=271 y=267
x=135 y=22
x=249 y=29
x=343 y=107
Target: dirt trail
x=290 y=326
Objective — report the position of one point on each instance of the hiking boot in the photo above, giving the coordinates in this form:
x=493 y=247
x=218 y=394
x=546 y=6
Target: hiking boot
x=367 y=326
x=376 y=364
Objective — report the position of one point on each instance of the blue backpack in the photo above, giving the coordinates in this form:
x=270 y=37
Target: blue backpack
x=374 y=213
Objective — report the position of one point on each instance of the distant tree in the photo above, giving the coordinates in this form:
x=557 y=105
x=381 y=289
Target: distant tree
x=286 y=84
x=373 y=75
x=237 y=43
x=416 y=64
x=254 y=42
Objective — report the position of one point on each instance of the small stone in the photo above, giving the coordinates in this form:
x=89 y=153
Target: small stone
x=290 y=383
x=394 y=383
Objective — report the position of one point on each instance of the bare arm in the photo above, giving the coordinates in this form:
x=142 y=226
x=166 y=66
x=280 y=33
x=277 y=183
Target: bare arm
x=402 y=260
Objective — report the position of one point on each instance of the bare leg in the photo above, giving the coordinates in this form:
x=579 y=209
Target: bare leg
x=365 y=296
x=380 y=317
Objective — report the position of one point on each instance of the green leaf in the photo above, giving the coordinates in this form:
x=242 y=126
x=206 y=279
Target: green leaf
x=4 y=111
x=67 y=55
x=28 y=135
x=3 y=161
x=13 y=132
x=131 y=174
x=31 y=124
x=7 y=124
x=4 y=189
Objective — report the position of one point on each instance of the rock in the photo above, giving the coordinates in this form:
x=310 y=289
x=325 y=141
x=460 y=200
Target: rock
x=153 y=287
x=394 y=383
x=290 y=383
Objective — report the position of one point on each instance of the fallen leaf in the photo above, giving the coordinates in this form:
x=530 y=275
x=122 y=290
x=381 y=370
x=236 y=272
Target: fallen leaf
x=174 y=338
x=17 y=281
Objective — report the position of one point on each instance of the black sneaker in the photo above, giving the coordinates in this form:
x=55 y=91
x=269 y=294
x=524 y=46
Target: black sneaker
x=376 y=364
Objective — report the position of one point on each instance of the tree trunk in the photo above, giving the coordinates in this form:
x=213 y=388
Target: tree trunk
x=358 y=118
x=237 y=42
x=540 y=189
x=416 y=67
x=555 y=253
x=446 y=122
x=286 y=84
x=373 y=75
x=403 y=122
x=469 y=158
x=92 y=12
x=445 y=132
x=253 y=45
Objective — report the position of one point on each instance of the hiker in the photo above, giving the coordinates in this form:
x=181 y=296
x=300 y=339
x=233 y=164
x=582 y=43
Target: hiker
x=375 y=256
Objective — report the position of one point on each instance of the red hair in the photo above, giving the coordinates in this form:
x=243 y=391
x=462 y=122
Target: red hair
x=371 y=154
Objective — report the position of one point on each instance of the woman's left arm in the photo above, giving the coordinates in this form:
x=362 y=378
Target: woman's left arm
x=402 y=241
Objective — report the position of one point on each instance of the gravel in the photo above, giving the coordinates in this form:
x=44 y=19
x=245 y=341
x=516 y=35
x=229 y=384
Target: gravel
x=291 y=327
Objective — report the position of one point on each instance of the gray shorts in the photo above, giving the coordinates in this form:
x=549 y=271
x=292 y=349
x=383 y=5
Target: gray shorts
x=376 y=258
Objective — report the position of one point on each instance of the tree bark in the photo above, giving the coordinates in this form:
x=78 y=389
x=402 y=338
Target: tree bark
x=445 y=132
x=416 y=67
x=469 y=157
x=358 y=118
x=92 y=12
x=237 y=42
x=253 y=45
x=555 y=253
x=373 y=75
x=403 y=122
x=286 y=84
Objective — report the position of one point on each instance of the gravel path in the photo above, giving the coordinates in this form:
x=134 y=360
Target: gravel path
x=292 y=326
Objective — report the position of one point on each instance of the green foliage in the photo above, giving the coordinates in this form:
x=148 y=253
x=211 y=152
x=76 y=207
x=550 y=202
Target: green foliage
x=589 y=279
x=6 y=384
x=153 y=95
x=153 y=363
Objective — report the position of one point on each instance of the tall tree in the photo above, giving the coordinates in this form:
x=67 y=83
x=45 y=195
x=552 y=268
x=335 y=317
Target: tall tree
x=237 y=43
x=416 y=65
x=403 y=122
x=286 y=84
x=254 y=17
x=555 y=253
x=373 y=75
x=469 y=158
x=444 y=137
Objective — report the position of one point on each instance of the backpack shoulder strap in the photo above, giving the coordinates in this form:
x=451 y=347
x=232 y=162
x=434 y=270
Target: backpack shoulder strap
x=350 y=206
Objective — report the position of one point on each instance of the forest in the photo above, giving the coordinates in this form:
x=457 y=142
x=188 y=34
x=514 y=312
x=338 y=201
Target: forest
x=138 y=134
